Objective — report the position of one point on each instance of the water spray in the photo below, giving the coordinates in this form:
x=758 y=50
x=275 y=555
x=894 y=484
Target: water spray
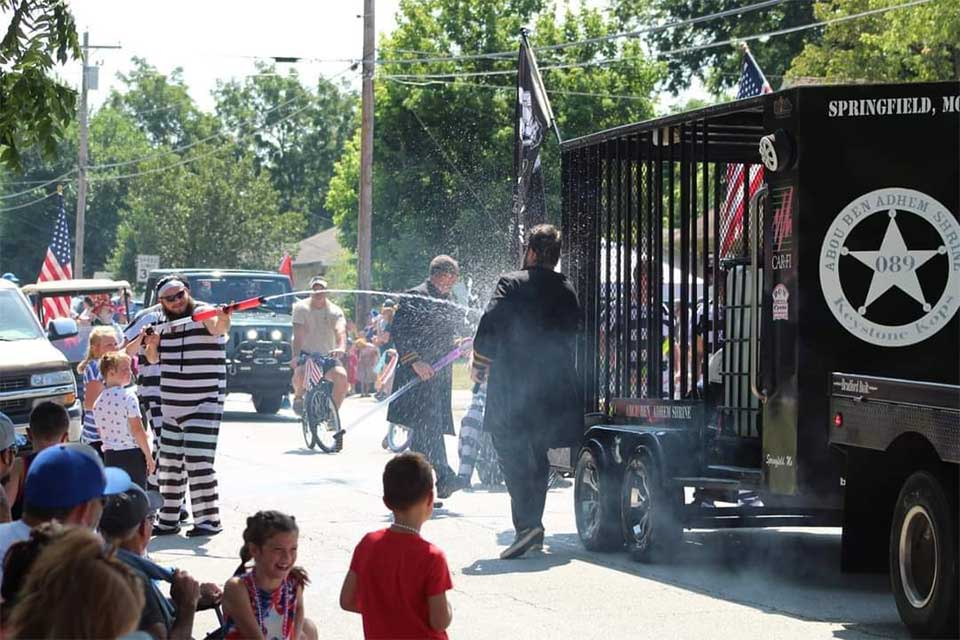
x=465 y=345
x=253 y=303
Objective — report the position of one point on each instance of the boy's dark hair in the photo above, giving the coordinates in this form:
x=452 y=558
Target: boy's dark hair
x=49 y=420
x=444 y=264
x=544 y=240
x=407 y=479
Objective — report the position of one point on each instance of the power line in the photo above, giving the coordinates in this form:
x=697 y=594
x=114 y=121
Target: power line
x=443 y=154
x=504 y=87
x=185 y=161
x=613 y=36
x=59 y=178
x=672 y=52
x=28 y=204
x=157 y=154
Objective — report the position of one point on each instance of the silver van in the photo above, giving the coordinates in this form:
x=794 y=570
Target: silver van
x=31 y=369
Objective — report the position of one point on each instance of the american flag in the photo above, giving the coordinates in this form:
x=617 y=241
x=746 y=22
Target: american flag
x=56 y=266
x=314 y=373
x=752 y=83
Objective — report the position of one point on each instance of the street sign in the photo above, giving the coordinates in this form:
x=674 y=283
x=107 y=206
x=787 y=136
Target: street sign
x=145 y=264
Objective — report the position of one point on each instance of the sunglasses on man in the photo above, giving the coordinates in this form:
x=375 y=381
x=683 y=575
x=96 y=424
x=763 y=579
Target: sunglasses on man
x=174 y=296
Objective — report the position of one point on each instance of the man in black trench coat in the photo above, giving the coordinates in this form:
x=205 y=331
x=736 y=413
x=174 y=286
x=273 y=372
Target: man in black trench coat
x=425 y=329
x=526 y=349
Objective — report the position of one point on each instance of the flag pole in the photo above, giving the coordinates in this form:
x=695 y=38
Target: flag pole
x=749 y=54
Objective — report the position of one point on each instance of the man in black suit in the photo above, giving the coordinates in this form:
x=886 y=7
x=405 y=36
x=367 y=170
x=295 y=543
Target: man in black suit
x=425 y=328
x=526 y=349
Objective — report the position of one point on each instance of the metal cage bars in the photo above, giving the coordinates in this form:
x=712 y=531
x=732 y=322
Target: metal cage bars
x=639 y=249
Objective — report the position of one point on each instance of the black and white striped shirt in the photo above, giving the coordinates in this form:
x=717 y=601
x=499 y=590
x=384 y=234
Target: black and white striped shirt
x=148 y=379
x=193 y=366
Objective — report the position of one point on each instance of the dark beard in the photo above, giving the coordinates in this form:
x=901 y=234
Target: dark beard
x=187 y=311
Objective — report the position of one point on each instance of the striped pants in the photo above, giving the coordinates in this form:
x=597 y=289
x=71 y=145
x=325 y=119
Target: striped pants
x=188 y=442
x=152 y=418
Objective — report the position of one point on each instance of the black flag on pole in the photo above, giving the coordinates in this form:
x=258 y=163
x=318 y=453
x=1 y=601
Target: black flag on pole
x=533 y=119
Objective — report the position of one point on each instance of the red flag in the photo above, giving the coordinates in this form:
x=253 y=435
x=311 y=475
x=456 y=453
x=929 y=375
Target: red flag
x=286 y=266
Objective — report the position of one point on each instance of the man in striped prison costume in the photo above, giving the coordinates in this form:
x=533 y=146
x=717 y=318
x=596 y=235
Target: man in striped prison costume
x=192 y=361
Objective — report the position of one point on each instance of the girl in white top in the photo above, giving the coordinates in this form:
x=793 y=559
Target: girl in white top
x=117 y=413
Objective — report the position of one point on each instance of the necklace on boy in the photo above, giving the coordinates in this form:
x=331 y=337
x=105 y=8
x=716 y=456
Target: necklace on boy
x=406 y=528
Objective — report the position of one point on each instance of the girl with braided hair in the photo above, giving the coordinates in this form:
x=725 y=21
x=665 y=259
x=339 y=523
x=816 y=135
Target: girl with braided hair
x=266 y=601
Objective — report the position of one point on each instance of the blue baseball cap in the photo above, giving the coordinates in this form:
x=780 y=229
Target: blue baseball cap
x=68 y=475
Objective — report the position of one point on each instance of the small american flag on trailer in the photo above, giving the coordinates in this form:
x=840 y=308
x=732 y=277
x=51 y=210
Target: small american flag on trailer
x=752 y=83
x=57 y=265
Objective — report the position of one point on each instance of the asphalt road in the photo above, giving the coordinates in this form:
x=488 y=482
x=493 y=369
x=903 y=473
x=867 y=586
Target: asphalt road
x=768 y=583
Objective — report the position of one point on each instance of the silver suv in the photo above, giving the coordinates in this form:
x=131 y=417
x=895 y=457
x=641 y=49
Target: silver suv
x=31 y=369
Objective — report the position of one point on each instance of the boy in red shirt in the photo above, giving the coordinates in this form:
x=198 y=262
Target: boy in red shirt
x=397 y=580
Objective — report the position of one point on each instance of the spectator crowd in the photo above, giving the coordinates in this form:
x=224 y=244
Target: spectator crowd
x=75 y=562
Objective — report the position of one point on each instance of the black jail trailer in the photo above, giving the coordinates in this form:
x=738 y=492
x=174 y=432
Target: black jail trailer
x=800 y=366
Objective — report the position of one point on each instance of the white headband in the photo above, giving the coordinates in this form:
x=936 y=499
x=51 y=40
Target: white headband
x=171 y=286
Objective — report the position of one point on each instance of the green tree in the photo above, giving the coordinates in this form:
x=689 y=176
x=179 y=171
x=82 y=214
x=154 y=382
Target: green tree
x=300 y=134
x=719 y=67
x=25 y=232
x=36 y=107
x=213 y=212
x=444 y=151
x=162 y=107
x=919 y=43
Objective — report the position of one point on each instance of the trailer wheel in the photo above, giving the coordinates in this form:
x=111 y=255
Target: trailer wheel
x=595 y=501
x=648 y=510
x=923 y=557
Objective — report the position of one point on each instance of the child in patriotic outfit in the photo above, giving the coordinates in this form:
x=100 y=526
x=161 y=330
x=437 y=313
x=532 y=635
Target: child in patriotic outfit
x=267 y=601
x=117 y=413
x=102 y=340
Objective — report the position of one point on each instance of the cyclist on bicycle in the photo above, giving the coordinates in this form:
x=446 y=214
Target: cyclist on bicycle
x=319 y=329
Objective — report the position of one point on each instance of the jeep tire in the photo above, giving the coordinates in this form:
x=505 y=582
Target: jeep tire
x=267 y=403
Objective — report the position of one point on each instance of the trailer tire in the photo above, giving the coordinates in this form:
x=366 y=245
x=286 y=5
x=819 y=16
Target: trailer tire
x=923 y=557
x=648 y=510
x=595 y=504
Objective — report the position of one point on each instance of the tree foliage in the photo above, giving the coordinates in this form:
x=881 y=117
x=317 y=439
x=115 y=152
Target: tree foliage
x=443 y=151
x=215 y=212
x=36 y=108
x=156 y=158
x=300 y=134
x=162 y=107
x=919 y=43
x=718 y=67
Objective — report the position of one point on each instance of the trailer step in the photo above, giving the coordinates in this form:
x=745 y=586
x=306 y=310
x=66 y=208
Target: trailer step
x=748 y=474
x=726 y=484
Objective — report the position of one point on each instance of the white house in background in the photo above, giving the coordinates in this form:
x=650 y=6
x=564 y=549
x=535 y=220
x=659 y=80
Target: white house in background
x=316 y=255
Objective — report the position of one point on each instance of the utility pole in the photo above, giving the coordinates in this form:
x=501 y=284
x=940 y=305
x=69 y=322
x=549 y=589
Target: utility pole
x=82 y=155
x=364 y=224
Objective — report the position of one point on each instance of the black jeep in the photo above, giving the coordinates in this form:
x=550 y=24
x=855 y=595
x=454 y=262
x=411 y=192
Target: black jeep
x=258 y=352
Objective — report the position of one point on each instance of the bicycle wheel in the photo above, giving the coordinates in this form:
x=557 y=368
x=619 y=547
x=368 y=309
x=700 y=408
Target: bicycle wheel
x=325 y=420
x=307 y=424
x=398 y=438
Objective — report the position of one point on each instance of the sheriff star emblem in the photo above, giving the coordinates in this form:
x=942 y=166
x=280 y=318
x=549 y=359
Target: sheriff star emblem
x=901 y=289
